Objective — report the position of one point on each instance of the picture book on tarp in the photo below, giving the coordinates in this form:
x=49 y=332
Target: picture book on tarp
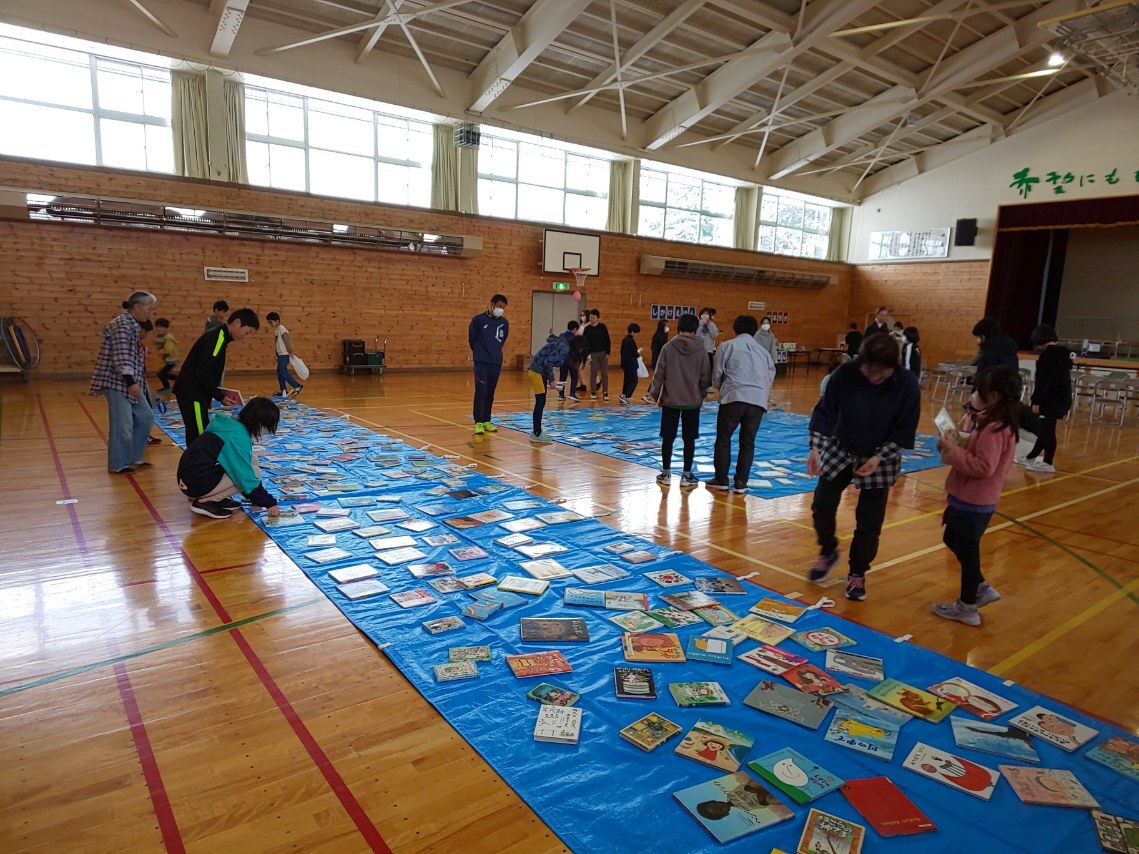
x=1055 y=787
x=820 y=640
x=733 y=806
x=914 y=701
x=973 y=699
x=634 y=683
x=776 y=609
x=795 y=775
x=853 y=664
x=772 y=659
x=716 y=745
x=811 y=680
x=538 y=664
x=554 y=629
x=860 y=732
x=698 y=694
x=855 y=699
x=885 y=807
x=1118 y=753
x=1116 y=834
x=1006 y=741
x=953 y=771
x=649 y=732
x=558 y=724
x=552 y=695
x=764 y=631
x=652 y=646
x=829 y=833
x=1054 y=728
x=788 y=703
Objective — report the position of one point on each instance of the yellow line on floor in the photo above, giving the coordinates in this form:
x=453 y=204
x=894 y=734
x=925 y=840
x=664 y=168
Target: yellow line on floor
x=1064 y=628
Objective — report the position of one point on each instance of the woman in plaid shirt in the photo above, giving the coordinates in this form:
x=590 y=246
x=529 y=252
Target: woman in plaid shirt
x=119 y=375
x=859 y=428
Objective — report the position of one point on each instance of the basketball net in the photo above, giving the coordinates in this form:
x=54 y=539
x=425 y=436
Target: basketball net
x=579 y=273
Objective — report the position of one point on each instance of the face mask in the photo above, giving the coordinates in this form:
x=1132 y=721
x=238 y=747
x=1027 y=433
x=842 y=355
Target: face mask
x=765 y=327
x=666 y=330
x=703 y=318
x=498 y=312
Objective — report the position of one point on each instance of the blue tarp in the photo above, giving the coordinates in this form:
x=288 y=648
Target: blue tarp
x=604 y=794
x=632 y=433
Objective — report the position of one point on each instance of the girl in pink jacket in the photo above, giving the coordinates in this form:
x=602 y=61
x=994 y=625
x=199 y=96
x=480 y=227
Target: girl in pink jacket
x=974 y=483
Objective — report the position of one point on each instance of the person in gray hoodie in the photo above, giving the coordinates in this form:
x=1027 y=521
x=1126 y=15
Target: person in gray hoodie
x=766 y=337
x=682 y=376
x=743 y=371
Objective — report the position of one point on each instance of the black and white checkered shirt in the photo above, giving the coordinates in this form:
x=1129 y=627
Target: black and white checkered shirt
x=833 y=459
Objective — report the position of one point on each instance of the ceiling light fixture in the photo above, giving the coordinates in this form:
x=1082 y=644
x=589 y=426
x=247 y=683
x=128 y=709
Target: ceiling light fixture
x=1056 y=59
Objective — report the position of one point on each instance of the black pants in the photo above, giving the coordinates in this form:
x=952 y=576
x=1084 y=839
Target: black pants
x=486 y=381
x=963 y=532
x=868 y=517
x=166 y=376
x=670 y=419
x=572 y=372
x=1045 y=440
x=746 y=416
x=630 y=385
x=195 y=415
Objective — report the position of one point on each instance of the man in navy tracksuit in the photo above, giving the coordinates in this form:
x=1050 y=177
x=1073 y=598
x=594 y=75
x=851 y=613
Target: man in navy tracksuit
x=487 y=335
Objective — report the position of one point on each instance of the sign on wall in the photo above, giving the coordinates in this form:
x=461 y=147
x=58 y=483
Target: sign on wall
x=924 y=243
x=670 y=312
x=1024 y=181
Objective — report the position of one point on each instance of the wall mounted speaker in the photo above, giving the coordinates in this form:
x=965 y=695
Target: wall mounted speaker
x=965 y=234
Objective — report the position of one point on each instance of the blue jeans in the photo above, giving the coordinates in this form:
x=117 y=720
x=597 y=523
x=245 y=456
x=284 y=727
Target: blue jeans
x=129 y=427
x=284 y=378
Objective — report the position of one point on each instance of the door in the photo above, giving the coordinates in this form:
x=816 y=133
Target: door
x=550 y=312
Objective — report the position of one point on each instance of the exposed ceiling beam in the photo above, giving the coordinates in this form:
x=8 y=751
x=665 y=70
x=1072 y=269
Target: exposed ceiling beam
x=154 y=19
x=931 y=16
x=758 y=13
x=369 y=39
x=904 y=32
x=229 y=15
x=739 y=74
x=541 y=24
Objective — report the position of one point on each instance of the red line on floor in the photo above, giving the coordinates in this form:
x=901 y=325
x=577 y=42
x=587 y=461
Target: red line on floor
x=224 y=568
x=335 y=782
x=167 y=824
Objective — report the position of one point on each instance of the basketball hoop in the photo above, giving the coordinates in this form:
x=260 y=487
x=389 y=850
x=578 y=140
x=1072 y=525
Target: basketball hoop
x=579 y=273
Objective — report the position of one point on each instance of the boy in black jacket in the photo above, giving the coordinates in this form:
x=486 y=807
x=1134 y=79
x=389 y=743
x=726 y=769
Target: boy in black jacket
x=630 y=356
x=597 y=336
x=576 y=355
x=860 y=425
x=199 y=383
x=1051 y=396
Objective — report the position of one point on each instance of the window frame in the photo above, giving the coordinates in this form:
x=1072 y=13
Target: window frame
x=702 y=211
x=801 y=229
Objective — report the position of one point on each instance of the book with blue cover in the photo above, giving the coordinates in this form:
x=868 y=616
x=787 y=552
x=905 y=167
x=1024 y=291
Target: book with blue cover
x=795 y=775
x=992 y=738
x=1118 y=753
x=872 y=736
x=732 y=806
x=713 y=650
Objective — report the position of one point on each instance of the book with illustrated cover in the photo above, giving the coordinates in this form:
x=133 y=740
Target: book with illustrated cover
x=852 y=664
x=1116 y=834
x=396 y=474
x=668 y=578
x=829 y=833
x=583 y=597
x=872 y=736
x=1005 y=741
x=433 y=509
x=285 y=520
x=1118 y=753
x=1063 y=732
x=519 y=526
x=885 y=807
x=521 y=584
x=538 y=663
x=689 y=600
x=417 y=525
x=481 y=610
x=913 y=701
x=371 y=532
x=394 y=557
x=554 y=629
x=512 y=541
x=649 y=732
x=413 y=598
x=716 y=745
x=953 y=771
x=454 y=671
x=547 y=568
x=619 y=548
x=499 y=597
x=820 y=640
x=552 y=695
x=446 y=584
x=477 y=580
x=795 y=775
x=855 y=699
x=811 y=680
x=467 y=553
x=437 y=540
x=725 y=585
x=698 y=694
x=713 y=650
x=559 y=517
x=634 y=683
x=333 y=512
x=625 y=600
x=536 y=550
x=764 y=631
x=523 y=504
x=716 y=615
x=443 y=624
x=776 y=609
x=388 y=514
x=430 y=570
x=733 y=806
x=321 y=540
x=356 y=572
x=489 y=516
x=363 y=589
x=462 y=523
x=661 y=647
x=328 y=555
x=558 y=724
x=638 y=556
x=383 y=543
x=599 y=574
x=460 y=494
x=726 y=633
x=973 y=699
x=635 y=621
x=772 y=659
x=788 y=703
x=468 y=653
x=1056 y=787
x=356 y=501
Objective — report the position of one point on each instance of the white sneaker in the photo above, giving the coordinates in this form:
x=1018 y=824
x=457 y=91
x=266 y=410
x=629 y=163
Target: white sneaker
x=987 y=595
x=543 y=439
x=665 y=477
x=1038 y=465
x=960 y=612
x=1021 y=461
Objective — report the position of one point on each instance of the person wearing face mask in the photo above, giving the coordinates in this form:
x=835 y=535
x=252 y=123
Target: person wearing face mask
x=708 y=332
x=879 y=323
x=660 y=338
x=487 y=335
x=859 y=428
x=766 y=338
x=597 y=336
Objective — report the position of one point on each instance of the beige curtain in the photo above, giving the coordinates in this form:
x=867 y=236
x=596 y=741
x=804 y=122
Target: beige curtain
x=188 y=121
x=444 y=168
x=838 y=238
x=746 y=218
x=620 y=217
x=468 y=193
x=235 y=130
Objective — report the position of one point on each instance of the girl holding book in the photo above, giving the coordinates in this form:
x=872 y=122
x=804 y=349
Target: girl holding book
x=974 y=483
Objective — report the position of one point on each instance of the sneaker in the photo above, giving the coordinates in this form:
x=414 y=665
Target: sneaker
x=542 y=438
x=647 y=398
x=141 y=464
x=561 y=397
x=605 y=397
x=212 y=509
x=624 y=400
x=573 y=398
x=123 y=470
x=480 y=428
x=153 y=440
x=296 y=391
x=229 y=504
x=280 y=393
x=591 y=396
x=687 y=481
x=987 y=595
x=855 y=588
x=1038 y=465
x=960 y=612
x=1022 y=461
x=488 y=427
x=716 y=484
x=822 y=567
x=739 y=488
x=665 y=477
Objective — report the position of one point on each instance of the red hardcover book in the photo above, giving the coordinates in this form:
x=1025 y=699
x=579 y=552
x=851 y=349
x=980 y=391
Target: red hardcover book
x=885 y=807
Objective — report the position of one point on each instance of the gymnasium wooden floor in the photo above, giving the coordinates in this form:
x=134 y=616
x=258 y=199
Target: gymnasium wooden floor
x=169 y=681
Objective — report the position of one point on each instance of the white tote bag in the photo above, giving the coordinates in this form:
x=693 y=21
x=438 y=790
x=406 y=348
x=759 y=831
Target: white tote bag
x=642 y=371
x=299 y=367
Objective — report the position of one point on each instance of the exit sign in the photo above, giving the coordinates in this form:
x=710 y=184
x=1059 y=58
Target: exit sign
x=561 y=286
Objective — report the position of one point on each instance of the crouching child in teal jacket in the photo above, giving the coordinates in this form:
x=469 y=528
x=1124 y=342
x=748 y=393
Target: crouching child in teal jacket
x=547 y=360
x=220 y=462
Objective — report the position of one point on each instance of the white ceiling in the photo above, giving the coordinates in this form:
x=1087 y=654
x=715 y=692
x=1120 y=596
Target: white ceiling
x=762 y=90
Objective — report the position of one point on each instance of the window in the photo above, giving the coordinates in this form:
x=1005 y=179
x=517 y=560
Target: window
x=61 y=104
x=523 y=179
x=347 y=149
x=685 y=206
x=789 y=225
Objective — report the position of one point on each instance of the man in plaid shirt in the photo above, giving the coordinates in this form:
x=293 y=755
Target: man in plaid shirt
x=119 y=376
x=867 y=416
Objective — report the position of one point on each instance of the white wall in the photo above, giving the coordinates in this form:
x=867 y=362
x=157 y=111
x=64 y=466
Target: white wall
x=1092 y=140
x=1099 y=298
